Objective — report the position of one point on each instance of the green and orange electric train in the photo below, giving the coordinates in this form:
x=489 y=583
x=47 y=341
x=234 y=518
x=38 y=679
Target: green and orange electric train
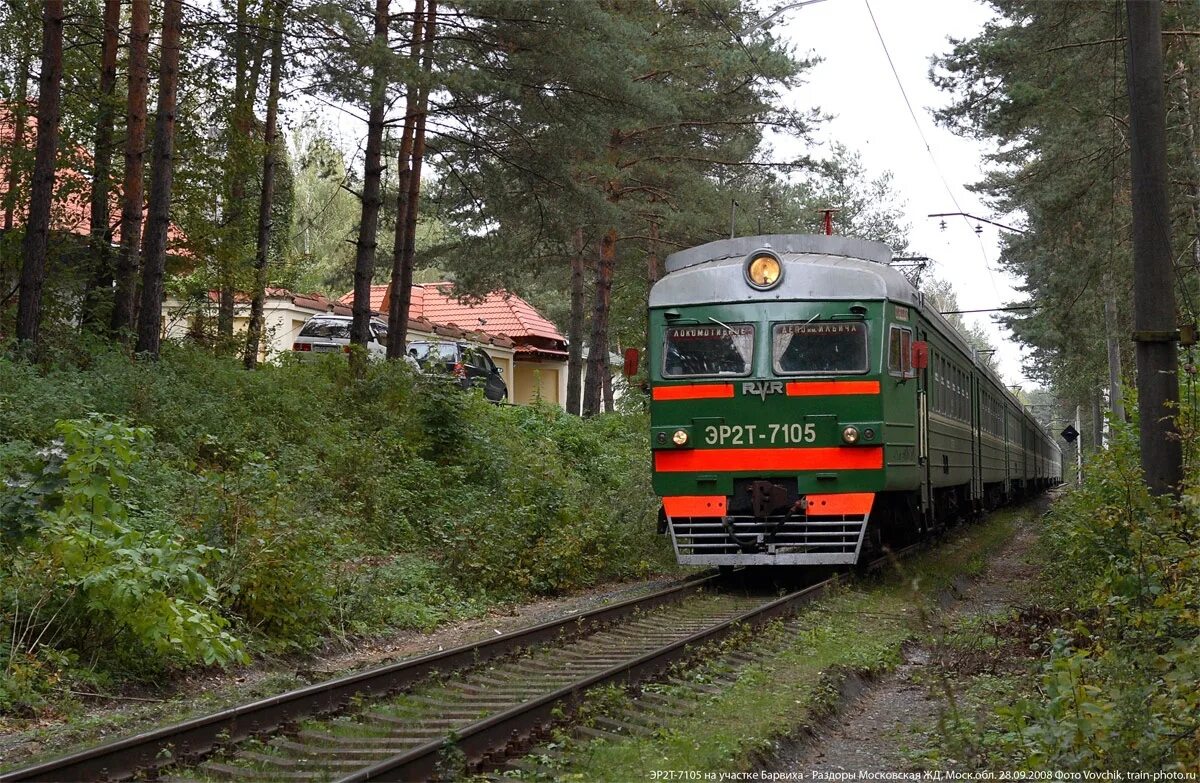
x=808 y=407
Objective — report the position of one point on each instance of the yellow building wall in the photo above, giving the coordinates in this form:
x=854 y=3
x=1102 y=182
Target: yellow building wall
x=505 y=363
x=534 y=381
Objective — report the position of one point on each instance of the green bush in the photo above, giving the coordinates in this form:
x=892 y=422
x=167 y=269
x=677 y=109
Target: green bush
x=79 y=575
x=295 y=503
x=1120 y=688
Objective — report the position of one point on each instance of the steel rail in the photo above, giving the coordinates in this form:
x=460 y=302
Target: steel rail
x=478 y=739
x=158 y=748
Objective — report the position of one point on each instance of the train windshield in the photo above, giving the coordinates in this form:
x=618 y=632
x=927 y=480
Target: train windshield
x=717 y=349
x=819 y=347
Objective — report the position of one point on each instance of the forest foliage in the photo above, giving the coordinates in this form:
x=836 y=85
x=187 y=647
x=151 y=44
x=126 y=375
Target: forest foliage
x=162 y=508
x=187 y=512
x=1045 y=83
x=1110 y=679
x=517 y=167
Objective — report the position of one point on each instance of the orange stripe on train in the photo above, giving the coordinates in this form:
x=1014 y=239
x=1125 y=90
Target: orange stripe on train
x=699 y=391
x=841 y=504
x=695 y=506
x=831 y=388
x=836 y=458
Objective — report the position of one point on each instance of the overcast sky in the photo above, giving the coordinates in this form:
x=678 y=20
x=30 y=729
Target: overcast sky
x=856 y=85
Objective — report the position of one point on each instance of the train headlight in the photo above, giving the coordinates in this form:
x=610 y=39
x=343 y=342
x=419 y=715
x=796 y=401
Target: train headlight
x=680 y=437
x=764 y=269
x=850 y=434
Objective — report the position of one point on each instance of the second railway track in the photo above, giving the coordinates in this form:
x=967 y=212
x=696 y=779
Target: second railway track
x=407 y=720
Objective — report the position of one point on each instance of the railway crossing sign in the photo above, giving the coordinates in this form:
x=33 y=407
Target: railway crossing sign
x=1069 y=434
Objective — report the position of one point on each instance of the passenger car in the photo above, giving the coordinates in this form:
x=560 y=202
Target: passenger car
x=328 y=333
x=469 y=364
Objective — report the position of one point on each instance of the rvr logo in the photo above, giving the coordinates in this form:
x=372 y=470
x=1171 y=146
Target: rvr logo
x=762 y=388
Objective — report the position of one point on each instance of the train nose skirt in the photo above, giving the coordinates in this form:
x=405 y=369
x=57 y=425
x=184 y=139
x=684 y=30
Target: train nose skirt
x=746 y=540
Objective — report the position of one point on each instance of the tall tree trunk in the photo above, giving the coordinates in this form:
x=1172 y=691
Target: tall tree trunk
x=1153 y=274
x=135 y=149
x=37 y=227
x=267 y=197
x=99 y=283
x=652 y=271
x=1190 y=122
x=597 y=364
x=400 y=299
x=414 y=177
x=19 y=114
x=575 y=329
x=610 y=404
x=154 y=248
x=364 y=257
x=239 y=127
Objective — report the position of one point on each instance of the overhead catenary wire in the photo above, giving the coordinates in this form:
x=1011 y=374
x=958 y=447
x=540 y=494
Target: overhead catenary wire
x=925 y=141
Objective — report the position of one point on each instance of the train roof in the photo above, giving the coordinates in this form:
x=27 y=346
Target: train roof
x=835 y=267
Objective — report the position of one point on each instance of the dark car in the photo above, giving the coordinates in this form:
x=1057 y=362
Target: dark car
x=469 y=364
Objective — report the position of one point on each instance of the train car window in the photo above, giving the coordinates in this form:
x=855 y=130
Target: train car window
x=958 y=394
x=938 y=391
x=692 y=351
x=819 y=347
x=900 y=352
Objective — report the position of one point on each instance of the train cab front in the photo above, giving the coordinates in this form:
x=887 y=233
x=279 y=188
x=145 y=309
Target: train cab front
x=766 y=430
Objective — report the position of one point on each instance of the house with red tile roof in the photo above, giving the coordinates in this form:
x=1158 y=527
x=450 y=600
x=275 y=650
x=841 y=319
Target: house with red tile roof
x=528 y=348
x=285 y=313
x=70 y=211
x=539 y=364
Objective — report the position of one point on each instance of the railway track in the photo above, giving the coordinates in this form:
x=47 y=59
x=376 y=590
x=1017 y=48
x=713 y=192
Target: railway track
x=439 y=713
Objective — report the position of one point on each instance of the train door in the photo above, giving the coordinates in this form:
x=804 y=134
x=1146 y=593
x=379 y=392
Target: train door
x=923 y=386
x=976 y=442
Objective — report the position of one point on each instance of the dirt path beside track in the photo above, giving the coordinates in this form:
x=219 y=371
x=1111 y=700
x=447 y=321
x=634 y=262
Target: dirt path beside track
x=876 y=732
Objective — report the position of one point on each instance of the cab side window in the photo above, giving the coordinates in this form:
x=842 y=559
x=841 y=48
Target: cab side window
x=900 y=352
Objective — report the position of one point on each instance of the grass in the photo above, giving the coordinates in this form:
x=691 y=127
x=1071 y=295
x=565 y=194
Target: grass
x=767 y=702
x=859 y=630
x=982 y=661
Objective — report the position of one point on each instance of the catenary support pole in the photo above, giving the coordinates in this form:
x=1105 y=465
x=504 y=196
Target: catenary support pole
x=1153 y=275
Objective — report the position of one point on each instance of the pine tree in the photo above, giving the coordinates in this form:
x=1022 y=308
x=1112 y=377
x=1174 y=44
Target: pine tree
x=162 y=169
x=412 y=151
x=364 y=259
x=267 y=194
x=37 y=227
x=626 y=139
x=129 y=254
x=100 y=280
